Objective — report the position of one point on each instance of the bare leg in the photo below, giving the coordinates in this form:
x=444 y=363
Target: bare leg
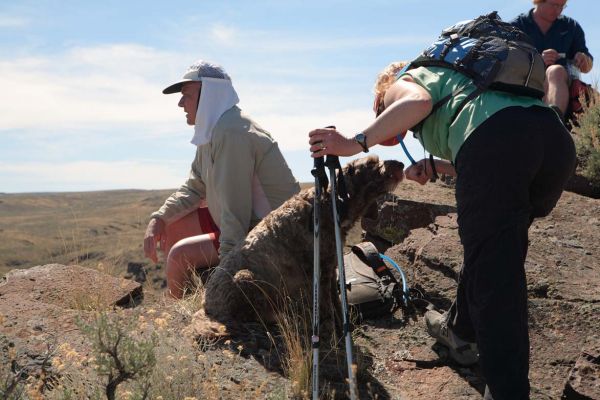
x=557 y=87
x=183 y=259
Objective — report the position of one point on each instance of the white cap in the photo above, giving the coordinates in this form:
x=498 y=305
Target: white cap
x=200 y=69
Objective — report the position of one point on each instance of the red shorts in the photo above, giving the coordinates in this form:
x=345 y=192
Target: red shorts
x=208 y=226
x=198 y=222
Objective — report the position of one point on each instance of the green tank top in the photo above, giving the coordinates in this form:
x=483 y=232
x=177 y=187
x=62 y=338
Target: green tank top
x=438 y=136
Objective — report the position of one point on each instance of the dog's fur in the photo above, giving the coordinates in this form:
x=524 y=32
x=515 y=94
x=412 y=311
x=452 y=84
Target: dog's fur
x=275 y=262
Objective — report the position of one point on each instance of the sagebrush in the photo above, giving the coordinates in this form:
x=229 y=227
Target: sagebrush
x=587 y=139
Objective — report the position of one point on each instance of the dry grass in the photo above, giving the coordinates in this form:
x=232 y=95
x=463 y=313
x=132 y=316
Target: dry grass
x=295 y=330
x=90 y=301
x=102 y=230
x=192 y=298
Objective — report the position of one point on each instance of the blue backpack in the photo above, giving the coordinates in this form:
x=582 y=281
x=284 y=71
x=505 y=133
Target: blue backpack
x=493 y=53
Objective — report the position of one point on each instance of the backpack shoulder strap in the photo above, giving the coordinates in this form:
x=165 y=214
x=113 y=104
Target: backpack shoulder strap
x=367 y=253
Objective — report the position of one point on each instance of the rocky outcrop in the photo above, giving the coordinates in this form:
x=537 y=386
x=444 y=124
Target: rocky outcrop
x=563 y=274
x=39 y=307
x=69 y=287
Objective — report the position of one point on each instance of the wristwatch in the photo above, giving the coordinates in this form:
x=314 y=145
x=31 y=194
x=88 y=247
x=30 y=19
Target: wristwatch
x=361 y=139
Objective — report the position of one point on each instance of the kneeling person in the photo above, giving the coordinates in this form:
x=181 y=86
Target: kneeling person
x=238 y=174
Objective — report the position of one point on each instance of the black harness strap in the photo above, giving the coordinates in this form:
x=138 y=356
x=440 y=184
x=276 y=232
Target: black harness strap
x=435 y=175
x=318 y=172
x=333 y=163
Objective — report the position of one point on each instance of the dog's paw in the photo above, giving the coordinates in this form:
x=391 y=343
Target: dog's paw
x=203 y=327
x=242 y=276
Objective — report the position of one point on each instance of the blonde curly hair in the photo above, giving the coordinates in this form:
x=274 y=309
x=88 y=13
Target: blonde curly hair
x=536 y=2
x=387 y=77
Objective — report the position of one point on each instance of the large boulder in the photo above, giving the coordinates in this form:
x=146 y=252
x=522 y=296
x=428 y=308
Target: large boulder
x=70 y=287
x=39 y=306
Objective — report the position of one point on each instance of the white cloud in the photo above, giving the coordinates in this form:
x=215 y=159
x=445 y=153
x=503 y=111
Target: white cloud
x=96 y=97
x=106 y=85
x=90 y=175
x=117 y=87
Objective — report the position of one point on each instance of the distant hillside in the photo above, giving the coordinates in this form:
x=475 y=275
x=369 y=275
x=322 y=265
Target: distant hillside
x=103 y=229
x=87 y=228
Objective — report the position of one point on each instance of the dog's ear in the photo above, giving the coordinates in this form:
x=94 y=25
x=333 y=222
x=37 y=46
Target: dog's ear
x=372 y=211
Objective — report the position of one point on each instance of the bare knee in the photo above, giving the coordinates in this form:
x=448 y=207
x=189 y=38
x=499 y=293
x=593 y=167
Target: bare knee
x=177 y=254
x=184 y=258
x=193 y=252
x=178 y=272
x=557 y=75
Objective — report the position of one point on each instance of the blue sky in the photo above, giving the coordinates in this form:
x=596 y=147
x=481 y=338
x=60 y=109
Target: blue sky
x=81 y=106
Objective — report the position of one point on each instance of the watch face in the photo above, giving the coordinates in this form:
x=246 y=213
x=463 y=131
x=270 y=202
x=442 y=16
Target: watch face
x=361 y=138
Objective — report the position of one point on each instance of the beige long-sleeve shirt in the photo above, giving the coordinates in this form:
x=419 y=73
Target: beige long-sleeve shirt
x=240 y=173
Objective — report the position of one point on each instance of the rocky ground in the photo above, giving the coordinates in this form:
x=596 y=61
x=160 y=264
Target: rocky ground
x=39 y=308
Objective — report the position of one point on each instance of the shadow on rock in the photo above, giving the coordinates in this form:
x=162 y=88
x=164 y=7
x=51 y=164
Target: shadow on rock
x=397 y=217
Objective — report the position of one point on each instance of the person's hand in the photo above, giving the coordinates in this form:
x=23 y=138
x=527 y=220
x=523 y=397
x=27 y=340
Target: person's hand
x=155 y=232
x=583 y=62
x=550 y=56
x=419 y=172
x=330 y=141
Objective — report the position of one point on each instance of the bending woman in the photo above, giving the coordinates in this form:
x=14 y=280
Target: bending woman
x=512 y=157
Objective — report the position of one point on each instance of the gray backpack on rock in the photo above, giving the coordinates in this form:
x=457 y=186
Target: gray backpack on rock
x=373 y=291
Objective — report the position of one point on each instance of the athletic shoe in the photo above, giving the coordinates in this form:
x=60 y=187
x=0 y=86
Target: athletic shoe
x=464 y=353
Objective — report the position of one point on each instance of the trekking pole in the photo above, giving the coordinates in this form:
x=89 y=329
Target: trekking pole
x=332 y=163
x=318 y=172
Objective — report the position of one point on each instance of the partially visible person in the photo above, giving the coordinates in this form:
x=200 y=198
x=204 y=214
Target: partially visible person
x=512 y=157
x=561 y=41
x=238 y=174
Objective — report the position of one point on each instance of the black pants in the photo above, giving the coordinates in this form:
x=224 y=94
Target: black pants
x=511 y=169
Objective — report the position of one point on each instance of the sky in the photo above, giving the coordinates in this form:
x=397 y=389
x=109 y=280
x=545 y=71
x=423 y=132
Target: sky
x=81 y=106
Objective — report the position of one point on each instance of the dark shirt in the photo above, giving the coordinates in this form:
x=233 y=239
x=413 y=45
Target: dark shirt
x=565 y=35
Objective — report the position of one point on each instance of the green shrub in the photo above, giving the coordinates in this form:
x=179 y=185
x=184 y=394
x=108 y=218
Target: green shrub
x=121 y=355
x=12 y=378
x=587 y=140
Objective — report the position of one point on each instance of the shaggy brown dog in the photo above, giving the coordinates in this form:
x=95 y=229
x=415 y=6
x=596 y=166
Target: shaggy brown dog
x=275 y=262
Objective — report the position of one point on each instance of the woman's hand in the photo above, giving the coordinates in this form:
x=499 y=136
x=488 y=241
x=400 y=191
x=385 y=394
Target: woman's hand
x=419 y=172
x=329 y=141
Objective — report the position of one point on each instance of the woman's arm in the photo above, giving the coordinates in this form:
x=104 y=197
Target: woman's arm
x=422 y=172
x=406 y=105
